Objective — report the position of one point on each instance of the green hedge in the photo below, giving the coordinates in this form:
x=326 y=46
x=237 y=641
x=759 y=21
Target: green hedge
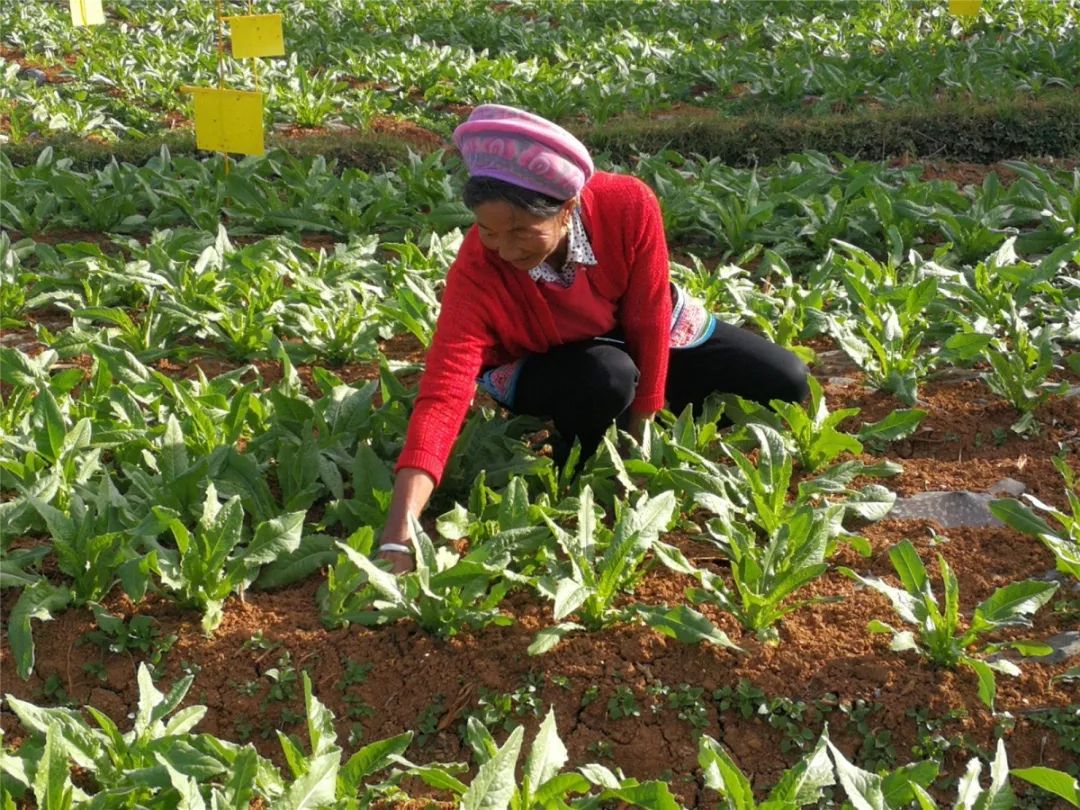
x=370 y=152
x=979 y=133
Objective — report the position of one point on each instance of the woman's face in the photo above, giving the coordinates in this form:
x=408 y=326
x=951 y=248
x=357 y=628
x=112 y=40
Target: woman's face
x=520 y=238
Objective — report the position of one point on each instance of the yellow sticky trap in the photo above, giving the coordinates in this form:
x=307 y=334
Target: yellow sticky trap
x=86 y=12
x=965 y=8
x=228 y=120
x=256 y=35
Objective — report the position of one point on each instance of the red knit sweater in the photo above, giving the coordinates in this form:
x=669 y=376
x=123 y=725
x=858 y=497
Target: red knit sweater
x=493 y=313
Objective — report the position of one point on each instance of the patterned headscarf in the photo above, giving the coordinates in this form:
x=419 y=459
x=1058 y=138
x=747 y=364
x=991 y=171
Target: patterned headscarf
x=524 y=149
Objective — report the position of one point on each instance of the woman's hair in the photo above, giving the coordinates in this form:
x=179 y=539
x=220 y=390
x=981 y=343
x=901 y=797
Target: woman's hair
x=480 y=190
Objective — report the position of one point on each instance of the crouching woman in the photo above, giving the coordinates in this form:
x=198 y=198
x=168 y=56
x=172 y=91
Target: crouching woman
x=559 y=305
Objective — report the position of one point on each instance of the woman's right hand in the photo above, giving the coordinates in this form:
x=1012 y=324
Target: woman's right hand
x=412 y=489
x=400 y=563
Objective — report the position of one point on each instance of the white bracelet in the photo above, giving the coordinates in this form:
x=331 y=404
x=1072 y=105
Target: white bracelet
x=396 y=547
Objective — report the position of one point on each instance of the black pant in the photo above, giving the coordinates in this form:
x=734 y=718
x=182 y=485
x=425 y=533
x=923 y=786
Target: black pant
x=584 y=387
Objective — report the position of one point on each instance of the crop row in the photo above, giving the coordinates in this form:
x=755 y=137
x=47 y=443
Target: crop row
x=351 y=60
x=160 y=762
x=796 y=208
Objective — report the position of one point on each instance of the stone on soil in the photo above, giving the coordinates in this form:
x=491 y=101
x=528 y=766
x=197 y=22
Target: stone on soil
x=952 y=509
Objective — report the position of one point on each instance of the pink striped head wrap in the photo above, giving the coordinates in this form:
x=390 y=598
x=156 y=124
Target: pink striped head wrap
x=524 y=149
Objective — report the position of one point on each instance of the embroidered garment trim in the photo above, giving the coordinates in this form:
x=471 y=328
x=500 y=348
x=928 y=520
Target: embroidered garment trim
x=691 y=323
x=500 y=382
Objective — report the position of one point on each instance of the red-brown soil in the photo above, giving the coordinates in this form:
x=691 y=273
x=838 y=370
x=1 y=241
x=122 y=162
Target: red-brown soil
x=824 y=658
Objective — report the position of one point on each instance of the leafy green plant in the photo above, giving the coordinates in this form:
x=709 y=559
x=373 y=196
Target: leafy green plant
x=886 y=339
x=507 y=710
x=445 y=593
x=815 y=429
x=92 y=548
x=676 y=453
x=344 y=593
x=508 y=516
x=803 y=784
x=310 y=98
x=1019 y=374
x=622 y=703
x=213 y=561
x=140 y=634
x=764 y=575
x=899 y=787
x=744 y=697
x=602 y=563
x=543 y=782
x=937 y=635
x=1064 y=543
x=158 y=760
x=320 y=778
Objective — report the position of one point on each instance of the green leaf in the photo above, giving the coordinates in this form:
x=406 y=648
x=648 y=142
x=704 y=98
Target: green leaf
x=438 y=777
x=294 y=757
x=52 y=785
x=898 y=424
x=480 y=740
x=909 y=566
x=454 y=524
x=864 y=789
x=899 y=786
x=653 y=795
x=124 y=366
x=724 y=776
x=872 y=502
x=805 y=782
x=371 y=759
x=187 y=789
x=49 y=425
x=987 y=684
x=274 y=538
x=548 y=754
x=1052 y=781
x=494 y=784
x=547 y=638
x=569 y=596
x=1017 y=516
x=557 y=788
x=315 y=551
x=968 y=791
x=317 y=787
x=37 y=601
x=966 y=346
x=242 y=775
x=685 y=624
x=998 y=796
x=1013 y=603
x=320 y=722
x=80 y=742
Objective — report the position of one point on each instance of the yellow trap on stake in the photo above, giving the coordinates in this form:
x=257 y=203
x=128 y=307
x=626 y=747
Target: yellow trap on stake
x=965 y=8
x=86 y=12
x=228 y=120
x=255 y=35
